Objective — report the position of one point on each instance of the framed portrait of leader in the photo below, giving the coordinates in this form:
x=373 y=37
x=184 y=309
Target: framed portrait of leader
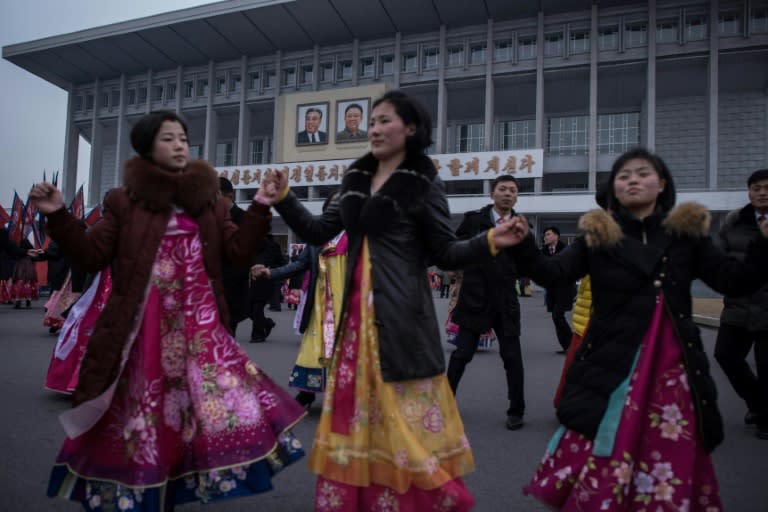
x=312 y=124
x=352 y=120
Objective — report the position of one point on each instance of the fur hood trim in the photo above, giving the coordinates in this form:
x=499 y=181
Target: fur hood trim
x=404 y=191
x=600 y=229
x=688 y=219
x=158 y=189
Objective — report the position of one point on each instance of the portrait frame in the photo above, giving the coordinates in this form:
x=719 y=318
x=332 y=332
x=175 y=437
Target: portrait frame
x=342 y=135
x=302 y=137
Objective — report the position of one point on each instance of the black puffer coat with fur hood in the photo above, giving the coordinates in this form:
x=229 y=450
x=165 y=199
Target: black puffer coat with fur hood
x=630 y=263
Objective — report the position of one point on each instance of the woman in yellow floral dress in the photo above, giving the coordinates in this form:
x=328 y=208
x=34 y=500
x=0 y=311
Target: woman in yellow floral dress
x=390 y=436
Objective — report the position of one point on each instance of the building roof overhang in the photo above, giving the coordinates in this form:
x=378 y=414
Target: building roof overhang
x=230 y=29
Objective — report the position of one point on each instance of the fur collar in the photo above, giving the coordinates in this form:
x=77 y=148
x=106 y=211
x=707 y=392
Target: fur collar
x=403 y=192
x=158 y=189
x=601 y=230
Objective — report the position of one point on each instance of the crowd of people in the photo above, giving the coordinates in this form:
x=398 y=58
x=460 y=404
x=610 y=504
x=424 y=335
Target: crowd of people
x=168 y=409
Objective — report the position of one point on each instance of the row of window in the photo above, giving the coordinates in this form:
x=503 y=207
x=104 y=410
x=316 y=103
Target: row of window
x=259 y=152
x=566 y=136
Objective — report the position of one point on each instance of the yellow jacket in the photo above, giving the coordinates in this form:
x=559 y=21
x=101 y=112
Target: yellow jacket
x=583 y=307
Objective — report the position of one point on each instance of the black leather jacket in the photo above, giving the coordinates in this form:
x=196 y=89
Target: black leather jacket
x=407 y=225
x=660 y=253
x=307 y=260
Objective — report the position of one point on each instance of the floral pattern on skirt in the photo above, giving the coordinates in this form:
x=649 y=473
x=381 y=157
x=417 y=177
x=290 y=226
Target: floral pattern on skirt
x=192 y=418
x=656 y=462
x=385 y=446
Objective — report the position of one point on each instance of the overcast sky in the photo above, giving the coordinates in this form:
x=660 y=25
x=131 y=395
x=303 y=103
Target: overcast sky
x=33 y=111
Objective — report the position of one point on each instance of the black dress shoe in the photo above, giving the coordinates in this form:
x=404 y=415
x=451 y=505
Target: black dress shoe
x=750 y=418
x=305 y=398
x=258 y=339
x=561 y=352
x=514 y=422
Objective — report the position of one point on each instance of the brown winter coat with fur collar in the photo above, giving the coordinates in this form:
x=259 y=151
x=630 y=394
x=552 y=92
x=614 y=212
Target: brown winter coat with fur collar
x=127 y=237
x=630 y=262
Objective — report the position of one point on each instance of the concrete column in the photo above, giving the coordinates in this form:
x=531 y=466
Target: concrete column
x=398 y=58
x=650 y=86
x=713 y=94
x=180 y=84
x=538 y=182
x=593 y=56
x=490 y=89
x=68 y=178
x=442 y=93
x=94 y=173
x=316 y=68
x=244 y=119
x=123 y=144
x=209 y=146
x=355 y=61
x=148 y=107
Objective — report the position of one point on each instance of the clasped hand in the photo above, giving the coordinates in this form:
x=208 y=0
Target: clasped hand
x=510 y=232
x=273 y=183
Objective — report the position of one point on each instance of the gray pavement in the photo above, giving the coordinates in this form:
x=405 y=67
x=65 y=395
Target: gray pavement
x=30 y=434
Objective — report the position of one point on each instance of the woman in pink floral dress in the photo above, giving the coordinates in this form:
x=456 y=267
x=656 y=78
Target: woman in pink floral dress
x=168 y=408
x=638 y=410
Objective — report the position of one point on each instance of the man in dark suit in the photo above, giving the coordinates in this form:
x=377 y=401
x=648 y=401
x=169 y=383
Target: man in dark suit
x=559 y=299
x=487 y=299
x=260 y=290
x=235 y=278
x=311 y=134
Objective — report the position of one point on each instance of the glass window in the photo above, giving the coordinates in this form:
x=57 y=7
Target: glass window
x=105 y=100
x=470 y=137
x=456 y=56
x=202 y=88
x=608 y=38
x=386 y=65
x=526 y=48
x=131 y=96
x=235 y=82
x=367 y=67
x=696 y=28
x=553 y=45
x=729 y=24
x=157 y=93
x=326 y=72
x=666 y=31
x=409 y=62
x=195 y=152
x=477 y=54
x=344 y=70
x=224 y=154
x=170 y=93
x=253 y=80
x=464 y=188
x=579 y=42
x=518 y=134
x=259 y=151
x=502 y=51
x=617 y=133
x=77 y=103
x=189 y=88
x=758 y=19
x=221 y=84
x=289 y=77
x=115 y=98
x=142 y=94
x=636 y=35
x=568 y=136
x=307 y=74
x=269 y=79
x=89 y=102
x=431 y=58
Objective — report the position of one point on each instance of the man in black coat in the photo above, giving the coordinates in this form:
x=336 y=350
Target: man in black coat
x=744 y=320
x=260 y=290
x=234 y=278
x=559 y=299
x=487 y=299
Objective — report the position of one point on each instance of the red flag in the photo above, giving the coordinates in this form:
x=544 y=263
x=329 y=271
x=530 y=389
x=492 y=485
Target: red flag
x=4 y=217
x=93 y=215
x=78 y=204
x=17 y=213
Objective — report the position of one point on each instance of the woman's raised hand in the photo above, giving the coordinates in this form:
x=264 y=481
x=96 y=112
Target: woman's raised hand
x=46 y=197
x=510 y=232
x=273 y=183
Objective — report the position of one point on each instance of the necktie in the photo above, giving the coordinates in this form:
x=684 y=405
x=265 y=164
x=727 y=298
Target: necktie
x=314 y=137
x=551 y=250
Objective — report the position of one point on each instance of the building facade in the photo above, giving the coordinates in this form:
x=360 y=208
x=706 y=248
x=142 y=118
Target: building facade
x=579 y=81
